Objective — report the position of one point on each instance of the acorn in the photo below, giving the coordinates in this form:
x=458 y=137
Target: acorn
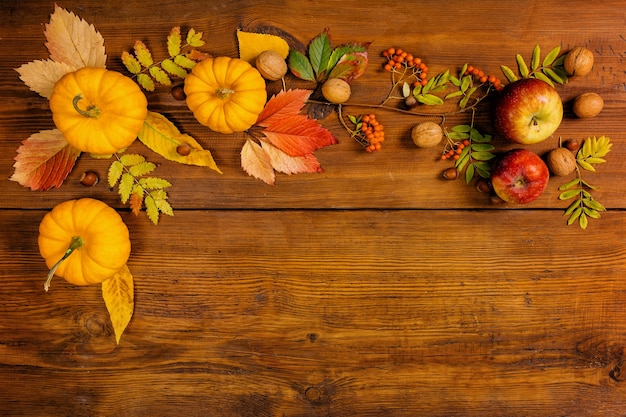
x=89 y=178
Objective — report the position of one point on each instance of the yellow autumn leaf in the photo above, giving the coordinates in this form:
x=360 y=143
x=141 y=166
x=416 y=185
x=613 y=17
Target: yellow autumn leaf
x=118 y=293
x=160 y=135
x=252 y=44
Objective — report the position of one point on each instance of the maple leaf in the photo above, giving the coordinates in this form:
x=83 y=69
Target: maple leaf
x=73 y=41
x=44 y=160
x=287 y=139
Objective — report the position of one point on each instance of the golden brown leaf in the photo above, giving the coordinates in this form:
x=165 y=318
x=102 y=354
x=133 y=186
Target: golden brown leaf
x=118 y=294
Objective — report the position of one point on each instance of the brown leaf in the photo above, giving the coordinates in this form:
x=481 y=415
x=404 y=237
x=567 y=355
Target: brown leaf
x=73 y=41
x=136 y=203
x=256 y=162
x=44 y=160
x=41 y=75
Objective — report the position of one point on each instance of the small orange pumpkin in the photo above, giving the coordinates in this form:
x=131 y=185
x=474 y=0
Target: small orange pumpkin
x=84 y=241
x=225 y=94
x=99 y=111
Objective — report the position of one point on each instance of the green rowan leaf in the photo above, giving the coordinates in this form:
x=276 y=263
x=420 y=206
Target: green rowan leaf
x=575 y=214
x=508 y=73
x=569 y=184
x=125 y=187
x=566 y=195
x=594 y=204
x=151 y=209
x=454 y=94
x=194 y=38
x=185 y=62
x=115 y=173
x=132 y=159
x=160 y=76
x=536 y=57
x=521 y=65
x=571 y=208
x=154 y=183
x=174 y=42
x=541 y=76
x=482 y=156
x=171 y=67
x=482 y=147
x=583 y=221
x=141 y=169
x=551 y=56
x=429 y=99
x=145 y=82
x=130 y=62
x=585 y=165
x=554 y=76
x=143 y=54
x=469 y=173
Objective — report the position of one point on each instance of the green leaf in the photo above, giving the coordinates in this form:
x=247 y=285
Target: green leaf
x=132 y=159
x=340 y=51
x=184 y=62
x=508 y=73
x=583 y=221
x=554 y=76
x=462 y=128
x=174 y=41
x=141 y=169
x=462 y=161
x=594 y=204
x=173 y=68
x=194 y=38
x=482 y=156
x=566 y=195
x=429 y=99
x=469 y=173
x=126 y=186
x=300 y=66
x=521 y=65
x=541 y=76
x=130 y=62
x=143 y=54
x=571 y=208
x=551 y=56
x=585 y=165
x=154 y=183
x=591 y=213
x=455 y=81
x=320 y=50
x=145 y=82
x=536 y=57
x=574 y=215
x=466 y=82
x=160 y=76
x=569 y=184
x=454 y=94
x=452 y=135
x=115 y=173
x=482 y=147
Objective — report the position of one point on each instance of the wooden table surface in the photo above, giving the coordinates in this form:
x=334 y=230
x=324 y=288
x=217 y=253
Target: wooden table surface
x=374 y=288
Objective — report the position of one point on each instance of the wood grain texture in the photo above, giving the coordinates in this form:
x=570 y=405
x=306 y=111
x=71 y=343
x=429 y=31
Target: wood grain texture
x=372 y=289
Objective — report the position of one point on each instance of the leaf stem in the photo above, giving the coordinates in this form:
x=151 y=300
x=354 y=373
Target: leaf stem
x=75 y=243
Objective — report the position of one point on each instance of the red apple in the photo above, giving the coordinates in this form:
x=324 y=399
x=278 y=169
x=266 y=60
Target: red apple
x=528 y=111
x=519 y=176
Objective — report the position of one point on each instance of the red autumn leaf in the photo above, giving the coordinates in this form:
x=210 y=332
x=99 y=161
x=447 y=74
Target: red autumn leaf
x=287 y=164
x=44 y=160
x=287 y=129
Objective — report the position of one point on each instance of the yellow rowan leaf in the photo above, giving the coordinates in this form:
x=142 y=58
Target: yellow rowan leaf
x=118 y=293
x=252 y=44
x=160 y=135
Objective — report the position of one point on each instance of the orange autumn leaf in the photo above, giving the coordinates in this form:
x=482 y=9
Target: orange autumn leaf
x=136 y=202
x=293 y=133
x=287 y=139
x=44 y=160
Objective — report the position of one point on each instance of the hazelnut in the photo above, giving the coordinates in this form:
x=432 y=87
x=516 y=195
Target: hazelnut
x=578 y=61
x=450 y=173
x=571 y=144
x=178 y=92
x=336 y=90
x=410 y=102
x=183 y=149
x=426 y=134
x=483 y=185
x=588 y=105
x=271 y=65
x=561 y=161
x=88 y=179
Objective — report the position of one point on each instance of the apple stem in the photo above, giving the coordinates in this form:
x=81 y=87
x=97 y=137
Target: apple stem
x=74 y=244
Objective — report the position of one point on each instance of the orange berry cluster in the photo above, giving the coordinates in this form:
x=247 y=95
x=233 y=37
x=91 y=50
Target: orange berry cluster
x=398 y=58
x=484 y=78
x=455 y=151
x=372 y=132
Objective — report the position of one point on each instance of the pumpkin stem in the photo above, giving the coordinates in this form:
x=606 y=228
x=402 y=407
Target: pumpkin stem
x=76 y=243
x=223 y=92
x=91 y=111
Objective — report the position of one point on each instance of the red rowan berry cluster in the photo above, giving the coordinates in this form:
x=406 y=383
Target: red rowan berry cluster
x=369 y=131
x=454 y=150
x=484 y=78
x=398 y=58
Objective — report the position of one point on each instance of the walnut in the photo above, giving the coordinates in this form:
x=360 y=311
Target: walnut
x=426 y=134
x=578 y=61
x=588 y=105
x=336 y=90
x=561 y=161
x=271 y=65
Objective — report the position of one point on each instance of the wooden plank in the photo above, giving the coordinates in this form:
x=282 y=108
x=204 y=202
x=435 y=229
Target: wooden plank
x=340 y=312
